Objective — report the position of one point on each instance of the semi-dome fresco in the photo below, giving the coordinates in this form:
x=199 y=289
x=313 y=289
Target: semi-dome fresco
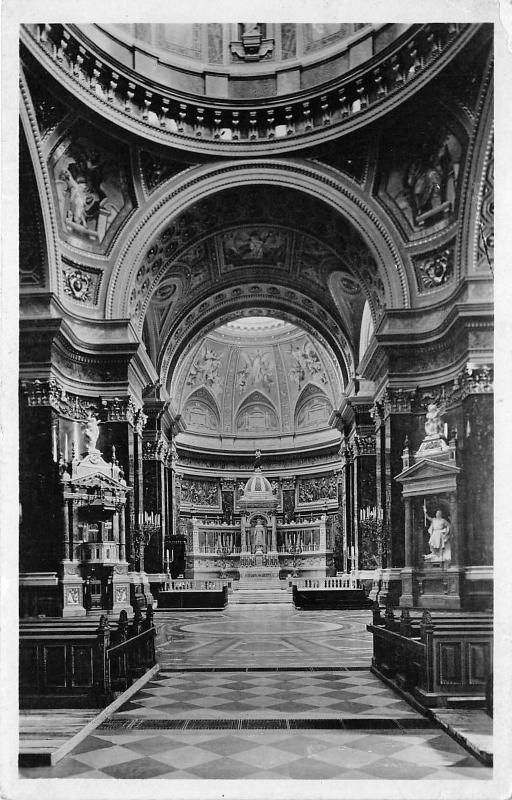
x=257 y=376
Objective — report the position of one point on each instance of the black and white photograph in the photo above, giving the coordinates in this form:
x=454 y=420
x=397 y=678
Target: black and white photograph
x=252 y=460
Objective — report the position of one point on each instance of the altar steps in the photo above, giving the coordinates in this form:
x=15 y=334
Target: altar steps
x=260 y=596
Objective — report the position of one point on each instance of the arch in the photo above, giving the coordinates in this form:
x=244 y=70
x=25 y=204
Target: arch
x=337 y=192
x=367 y=330
x=200 y=411
x=256 y=414
x=225 y=306
x=313 y=408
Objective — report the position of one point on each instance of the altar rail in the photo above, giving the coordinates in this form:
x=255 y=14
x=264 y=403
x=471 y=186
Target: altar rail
x=80 y=663
x=439 y=659
x=341 y=582
x=185 y=585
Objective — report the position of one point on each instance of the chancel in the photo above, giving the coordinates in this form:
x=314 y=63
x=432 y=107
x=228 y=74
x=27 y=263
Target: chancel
x=256 y=399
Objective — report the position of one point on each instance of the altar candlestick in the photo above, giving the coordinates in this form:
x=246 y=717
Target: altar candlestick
x=425 y=511
x=66 y=454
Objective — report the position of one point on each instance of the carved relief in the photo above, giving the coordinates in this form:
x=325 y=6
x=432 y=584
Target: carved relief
x=423 y=172
x=434 y=269
x=201 y=493
x=121 y=594
x=312 y=490
x=73 y=596
x=485 y=253
x=205 y=370
x=257 y=370
x=82 y=284
x=91 y=186
x=306 y=364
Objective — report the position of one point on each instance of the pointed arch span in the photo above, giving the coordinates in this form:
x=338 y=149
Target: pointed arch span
x=312 y=409
x=257 y=415
x=392 y=268
x=201 y=412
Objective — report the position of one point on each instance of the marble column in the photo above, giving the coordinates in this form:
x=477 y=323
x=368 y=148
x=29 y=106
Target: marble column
x=408 y=532
x=274 y=533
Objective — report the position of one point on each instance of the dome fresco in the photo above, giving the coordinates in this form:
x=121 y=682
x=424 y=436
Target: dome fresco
x=257 y=377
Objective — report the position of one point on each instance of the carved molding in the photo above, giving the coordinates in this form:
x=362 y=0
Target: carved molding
x=471 y=380
x=319 y=115
x=49 y=393
x=156 y=449
x=434 y=270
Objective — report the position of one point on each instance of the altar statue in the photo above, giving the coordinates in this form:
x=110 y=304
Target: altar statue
x=259 y=535
x=439 y=541
x=433 y=422
x=91 y=433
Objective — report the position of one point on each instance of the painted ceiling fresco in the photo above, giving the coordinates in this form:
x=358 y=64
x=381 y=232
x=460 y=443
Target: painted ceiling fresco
x=252 y=382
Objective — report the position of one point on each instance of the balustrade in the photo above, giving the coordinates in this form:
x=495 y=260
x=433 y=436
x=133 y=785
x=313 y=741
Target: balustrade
x=347 y=97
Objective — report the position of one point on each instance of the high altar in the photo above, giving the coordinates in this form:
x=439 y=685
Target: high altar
x=259 y=546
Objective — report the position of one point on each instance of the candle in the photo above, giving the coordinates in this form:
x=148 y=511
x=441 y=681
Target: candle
x=66 y=454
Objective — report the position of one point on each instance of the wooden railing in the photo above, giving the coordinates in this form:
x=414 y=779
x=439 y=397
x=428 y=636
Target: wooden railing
x=78 y=663
x=434 y=657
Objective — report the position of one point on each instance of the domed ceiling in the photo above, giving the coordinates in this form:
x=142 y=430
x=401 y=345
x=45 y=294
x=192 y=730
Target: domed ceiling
x=257 y=378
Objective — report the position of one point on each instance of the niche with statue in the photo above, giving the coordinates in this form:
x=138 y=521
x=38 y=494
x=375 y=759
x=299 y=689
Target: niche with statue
x=431 y=577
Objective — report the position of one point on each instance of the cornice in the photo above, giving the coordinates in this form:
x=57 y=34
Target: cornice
x=343 y=105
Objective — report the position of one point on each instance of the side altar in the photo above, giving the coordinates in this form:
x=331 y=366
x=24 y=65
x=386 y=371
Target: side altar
x=433 y=572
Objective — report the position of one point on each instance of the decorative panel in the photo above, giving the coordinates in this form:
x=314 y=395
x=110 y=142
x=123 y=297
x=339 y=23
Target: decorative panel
x=28 y=670
x=90 y=175
x=450 y=662
x=82 y=665
x=54 y=661
x=479 y=662
x=323 y=487
x=200 y=493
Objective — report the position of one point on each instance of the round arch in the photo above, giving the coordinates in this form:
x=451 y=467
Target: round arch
x=264 y=300
x=336 y=191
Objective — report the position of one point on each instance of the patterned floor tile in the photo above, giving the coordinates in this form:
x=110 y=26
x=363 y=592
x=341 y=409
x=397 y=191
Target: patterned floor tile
x=369 y=744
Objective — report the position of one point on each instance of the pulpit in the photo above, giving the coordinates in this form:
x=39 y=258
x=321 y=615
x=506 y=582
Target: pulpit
x=94 y=571
x=433 y=568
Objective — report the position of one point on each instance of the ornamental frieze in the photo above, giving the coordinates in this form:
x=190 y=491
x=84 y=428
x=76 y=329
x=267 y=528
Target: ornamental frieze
x=49 y=393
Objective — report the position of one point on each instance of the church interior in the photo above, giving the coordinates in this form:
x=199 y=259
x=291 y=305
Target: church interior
x=256 y=401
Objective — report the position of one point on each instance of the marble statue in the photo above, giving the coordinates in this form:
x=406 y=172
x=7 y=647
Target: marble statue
x=91 y=433
x=433 y=422
x=439 y=541
x=259 y=535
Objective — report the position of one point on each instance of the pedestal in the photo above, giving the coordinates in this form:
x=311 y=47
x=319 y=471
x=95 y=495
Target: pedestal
x=72 y=590
x=410 y=591
x=390 y=585
x=440 y=586
x=121 y=589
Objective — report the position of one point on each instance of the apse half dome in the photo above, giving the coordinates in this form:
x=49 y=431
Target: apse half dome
x=258 y=378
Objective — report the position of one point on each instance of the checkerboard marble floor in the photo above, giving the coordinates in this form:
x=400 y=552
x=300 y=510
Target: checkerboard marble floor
x=265 y=720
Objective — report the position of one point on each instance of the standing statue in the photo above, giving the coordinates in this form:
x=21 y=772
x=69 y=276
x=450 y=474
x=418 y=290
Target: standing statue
x=259 y=535
x=439 y=541
x=91 y=433
x=433 y=422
